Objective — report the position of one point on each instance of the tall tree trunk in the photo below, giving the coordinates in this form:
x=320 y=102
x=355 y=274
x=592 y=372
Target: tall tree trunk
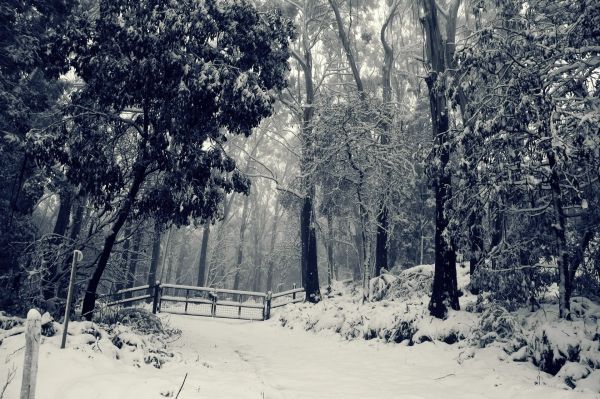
x=89 y=300
x=476 y=245
x=272 y=248
x=559 y=227
x=330 y=248
x=201 y=280
x=165 y=255
x=348 y=49
x=444 y=288
x=240 y=250
x=133 y=259
x=309 y=252
x=308 y=238
x=381 y=249
x=122 y=272
x=155 y=256
x=77 y=225
x=52 y=275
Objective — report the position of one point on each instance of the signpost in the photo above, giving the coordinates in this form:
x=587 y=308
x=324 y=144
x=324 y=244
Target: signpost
x=77 y=257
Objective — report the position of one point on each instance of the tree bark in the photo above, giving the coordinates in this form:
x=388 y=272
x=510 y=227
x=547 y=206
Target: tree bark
x=122 y=273
x=133 y=259
x=381 y=249
x=49 y=285
x=155 y=257
x=240 y=250
x=89 y=300
x=272 y=248
x=309 y=253
x=562 y=255
x=201 y=280
x=308 y=238
x=444 y=288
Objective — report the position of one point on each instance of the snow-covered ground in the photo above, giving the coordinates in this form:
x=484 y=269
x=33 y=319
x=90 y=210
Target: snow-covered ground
x=238 y=359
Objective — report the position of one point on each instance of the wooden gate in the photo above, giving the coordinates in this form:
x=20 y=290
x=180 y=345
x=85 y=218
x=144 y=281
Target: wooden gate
x=205 y=301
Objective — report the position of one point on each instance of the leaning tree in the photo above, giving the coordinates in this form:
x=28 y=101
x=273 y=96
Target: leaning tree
x=165 y=83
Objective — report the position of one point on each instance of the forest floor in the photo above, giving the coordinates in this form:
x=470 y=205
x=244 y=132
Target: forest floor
x=238 y=359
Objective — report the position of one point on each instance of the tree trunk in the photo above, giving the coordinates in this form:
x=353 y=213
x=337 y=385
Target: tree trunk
x=562 y=255
x=50 y=286
x=133 y=259
x=200 y=281
x=444 y=288
x=240 y=250
x=122 y=272
x=272 y=248
x=476 y=245
x=381 y=249
x=308 y=239
x=330 y=256
x=89 y=301
x=73 y=237
x=165 y=256
x=155 y=257
x=310 y=278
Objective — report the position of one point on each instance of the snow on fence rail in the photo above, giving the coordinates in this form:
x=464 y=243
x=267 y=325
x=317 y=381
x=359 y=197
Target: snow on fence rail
x=206 y=301
x=287 y=297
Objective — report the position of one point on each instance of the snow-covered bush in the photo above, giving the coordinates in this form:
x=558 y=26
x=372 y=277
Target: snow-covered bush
x=139 y=319
x=496 y=324
x=512 y=288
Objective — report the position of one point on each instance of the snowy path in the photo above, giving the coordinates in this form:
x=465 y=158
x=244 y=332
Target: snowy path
x=255 y=360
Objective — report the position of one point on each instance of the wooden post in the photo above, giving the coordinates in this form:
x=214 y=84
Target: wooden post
x=187 y=295
x=294 y=294
x=33 y=331
x=213 y=308
x=267 y=313
x=156 y=296
x=77 y=257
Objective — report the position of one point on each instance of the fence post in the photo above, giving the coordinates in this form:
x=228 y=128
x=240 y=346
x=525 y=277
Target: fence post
x=77 y=257
x=33 y=333
x=267 y=314
x=187 y=295
x=156 y=297
x=213 y=308
x=294 y=294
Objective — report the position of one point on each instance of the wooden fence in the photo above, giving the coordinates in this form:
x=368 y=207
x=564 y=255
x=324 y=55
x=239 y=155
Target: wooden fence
x=206 y=301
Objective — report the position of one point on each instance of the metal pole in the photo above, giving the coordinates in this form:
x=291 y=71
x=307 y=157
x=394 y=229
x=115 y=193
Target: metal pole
x=77 y=257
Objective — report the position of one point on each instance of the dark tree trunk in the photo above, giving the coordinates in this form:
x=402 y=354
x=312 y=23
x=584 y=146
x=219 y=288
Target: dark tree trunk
x=476 y=245
x=50 y=283
x=200 y=281
x=444 y=288
x=562 y=255
x=381 y=248
x=123 y=269
x=310 y=278
x=271 y=265
x=133 y=259
x=76 y=227
x=89 y=300
x=240 y=250
x=330 y=249
x=155 y=257
x=357 y=266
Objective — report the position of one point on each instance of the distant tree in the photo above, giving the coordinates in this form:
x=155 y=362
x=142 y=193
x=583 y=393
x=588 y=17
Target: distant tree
x=164 y=83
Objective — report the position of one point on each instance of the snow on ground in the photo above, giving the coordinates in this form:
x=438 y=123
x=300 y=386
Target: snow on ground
x=238 y=359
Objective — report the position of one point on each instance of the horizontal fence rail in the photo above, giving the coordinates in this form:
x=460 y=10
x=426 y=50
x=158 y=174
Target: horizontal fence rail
x=207 y=301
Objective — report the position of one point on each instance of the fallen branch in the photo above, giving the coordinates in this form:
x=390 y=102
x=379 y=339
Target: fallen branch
x=181 y=387
x=11 y=332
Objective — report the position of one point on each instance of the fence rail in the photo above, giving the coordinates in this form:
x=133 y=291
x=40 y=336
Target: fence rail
x=206 y=301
